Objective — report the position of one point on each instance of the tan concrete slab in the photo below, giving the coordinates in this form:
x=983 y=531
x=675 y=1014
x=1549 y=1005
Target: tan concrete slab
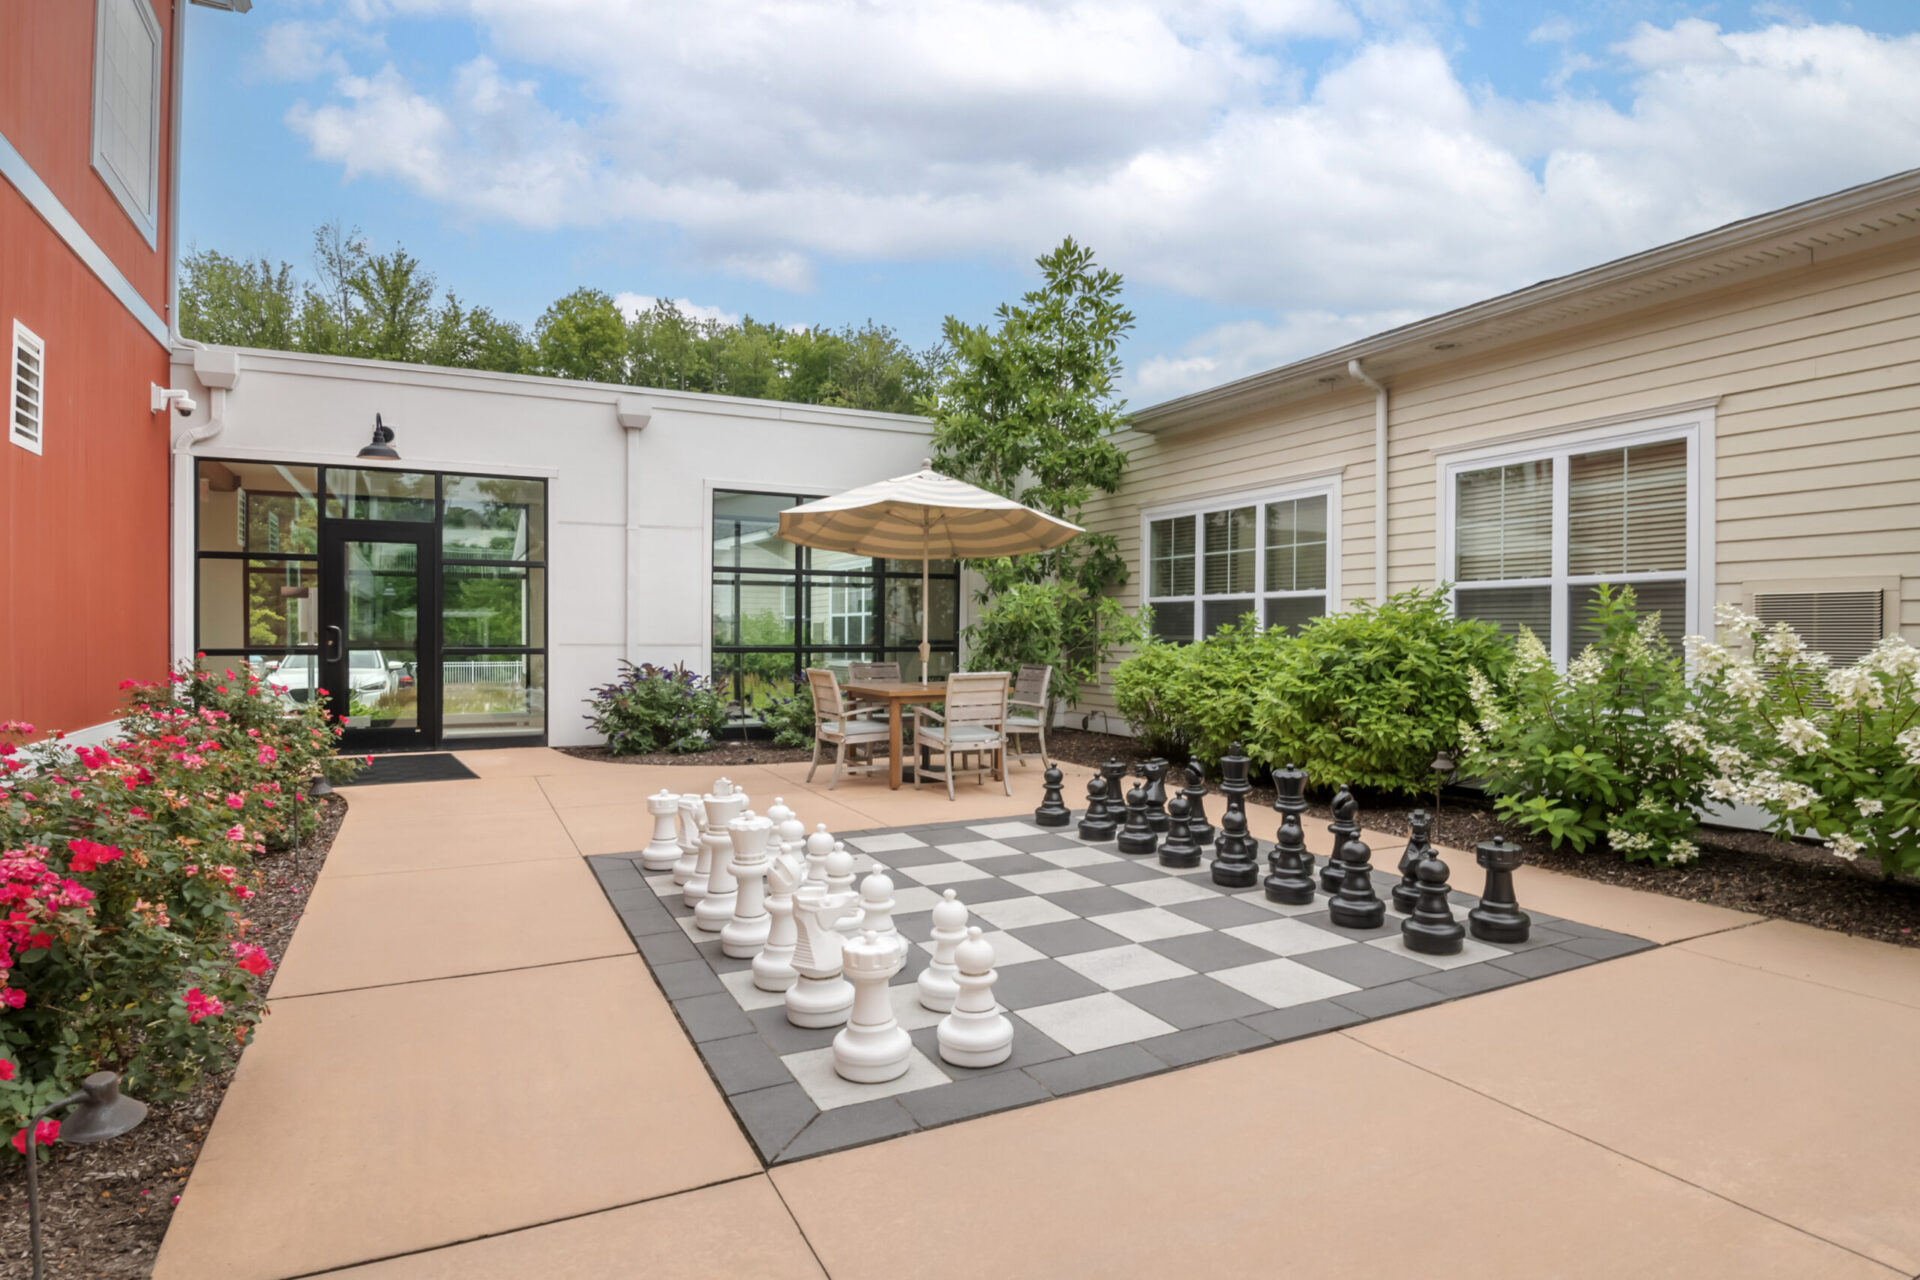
x=1288 y=1161
x=870 y=798
x=1791 y=1098
x=372 y=1123
x=1860 y=965
x=371 y=845
x=1652 y=916
x=471 y=796
x=364 y=931
x=737 y=1229
x=511 y=762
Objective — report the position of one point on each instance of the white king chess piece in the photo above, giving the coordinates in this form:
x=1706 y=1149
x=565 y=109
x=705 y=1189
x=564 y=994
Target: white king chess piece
x=715 y=906
x=820 y=995
x=664 y=849
x=773 y=967
x=872 y=1047
x=938 y=982
x=689 y=840
x=743 y=935
x=976 y=1033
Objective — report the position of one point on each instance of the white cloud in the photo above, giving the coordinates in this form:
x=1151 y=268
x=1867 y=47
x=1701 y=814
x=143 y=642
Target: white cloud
x=1555 y=28
x=632 y=304
x=1245 y=347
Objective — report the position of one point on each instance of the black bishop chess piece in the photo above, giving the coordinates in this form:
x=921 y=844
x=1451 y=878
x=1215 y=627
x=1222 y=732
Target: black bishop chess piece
x=1290 y=866
x=1137 y=837
x=1098 y=824
x=1406 y=894
x=1236 y=858
x=1343 y=828
x=1154 y=774
x=1357 y=906
x=1431 y=929
x=1178 y=849
x=1196 y=793
x=1499 y=918
x=1053 y=811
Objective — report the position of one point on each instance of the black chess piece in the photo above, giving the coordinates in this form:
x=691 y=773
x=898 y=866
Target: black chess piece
x=1343 y=828
x=1406 y=894
x=1357 y=906
x=1235 y=861
x=1098 y=824
x=1499 y=918
x=1431 y=929
x=1196 y=794
x=1137 y=836
x=1053 y=811
x=1234 y=786
x=1178 y=849
x=1290 y=866
x=1154 y=774
x=1116 y=775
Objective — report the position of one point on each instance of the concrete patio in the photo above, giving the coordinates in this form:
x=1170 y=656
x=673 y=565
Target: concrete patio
x=469 y=1071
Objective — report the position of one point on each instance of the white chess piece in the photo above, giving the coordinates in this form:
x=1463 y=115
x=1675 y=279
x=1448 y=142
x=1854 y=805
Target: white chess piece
x=689 y=840
x=663 y=851
x=746 y=932
x=715 y=904
x=976 y=1033
x=820 y=996
x=938 y=982
x=819 y=845
x=872 y=1047
x=791 y=833
x=876 y=903
x=773 y=967
x=839 y=880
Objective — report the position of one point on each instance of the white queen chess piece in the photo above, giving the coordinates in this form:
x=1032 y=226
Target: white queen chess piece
x=976 y=1033
x=689 y=840
x=715 y=906
x=872 y=1047
x=663 y=850
x=743 y=935
x=819 y=846
x=820 y=996
x=773 y=967
x=938 y=982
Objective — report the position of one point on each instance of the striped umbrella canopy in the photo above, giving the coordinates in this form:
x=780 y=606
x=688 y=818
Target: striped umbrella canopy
x=927 y=516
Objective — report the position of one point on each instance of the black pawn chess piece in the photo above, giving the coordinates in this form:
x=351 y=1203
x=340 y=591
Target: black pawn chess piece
x=1196 y=794
x=1343 y=828
x=1357 y=906
x=1431 y=929
x=1498 y=918
x=1137 y=836
x=1290 y=866
x=1154 y=774
x=1098 y=824
x=1236 y=865
x=1406 y=894
x=1178 y=849
x=1053 y=811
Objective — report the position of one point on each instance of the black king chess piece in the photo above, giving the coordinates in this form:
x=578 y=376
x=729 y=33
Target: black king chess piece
x=1290 y=866
x=1178 y=849
x=1234 y=786
x=1196 y=794
x=1431 y=929
x=1053 y=811
x=1343 y=828
x=1137 y=836
x=1098 y=824
x=1236 y=860
x=1498 y=918
x=1357 y=906
x=1406 y=894
x=1154 y=774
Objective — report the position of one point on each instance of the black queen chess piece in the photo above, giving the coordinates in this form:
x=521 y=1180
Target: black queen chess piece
x=1234 y=786
x=1097 y=824
x=1406 y=894
x=1137 y=837
x=1343 y=828
x=1290 y=866
x=1236 y=860
x=1499 y=918
x=1431 y=929
x=1357 y=906
x=1196 y=793
x=1154 y=774
x=1178 y=849
x=1053 y=811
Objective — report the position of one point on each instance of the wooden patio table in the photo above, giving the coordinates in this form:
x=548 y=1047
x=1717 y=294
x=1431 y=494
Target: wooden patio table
x=896 y=694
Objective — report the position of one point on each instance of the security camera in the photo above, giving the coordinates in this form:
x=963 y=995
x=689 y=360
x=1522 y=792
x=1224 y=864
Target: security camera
x=183 y=404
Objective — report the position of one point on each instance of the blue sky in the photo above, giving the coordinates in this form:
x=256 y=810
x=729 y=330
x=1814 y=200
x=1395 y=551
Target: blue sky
x=1274 y=177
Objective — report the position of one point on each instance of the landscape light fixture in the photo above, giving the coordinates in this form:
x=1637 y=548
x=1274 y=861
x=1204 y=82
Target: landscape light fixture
x=101 y=1113
x=382 y=446
x=1443 y=770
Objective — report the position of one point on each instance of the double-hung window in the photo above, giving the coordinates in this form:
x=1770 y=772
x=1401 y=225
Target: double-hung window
x=1268 y=555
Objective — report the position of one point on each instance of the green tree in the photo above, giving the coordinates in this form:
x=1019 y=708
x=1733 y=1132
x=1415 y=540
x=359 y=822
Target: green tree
x=392 y=306
x=239 y=303
x=583 y=335
x=463 y=338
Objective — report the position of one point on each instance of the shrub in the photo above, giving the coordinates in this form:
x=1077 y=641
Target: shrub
x=653 y=708
x=1367 y=696
x=1153 y=688
x=790 y=719
x=1063 y=624
x=1197 y=699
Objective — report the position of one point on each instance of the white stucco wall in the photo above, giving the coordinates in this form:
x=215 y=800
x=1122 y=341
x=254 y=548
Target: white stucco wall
x=628 y=510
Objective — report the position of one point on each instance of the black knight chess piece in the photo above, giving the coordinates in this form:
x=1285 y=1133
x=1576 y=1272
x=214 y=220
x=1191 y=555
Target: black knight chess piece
x=1154 y=774
x=1357 y=906
x=1406 y=894
x=1098 y=824
x=1431 y=929
x=1343 y=828
x=1196 y=794
x=1499 y=918
x=1290 y=866
x=1137 y=837
x=1236 y=863
x=1053 y=811
x=1178 y=849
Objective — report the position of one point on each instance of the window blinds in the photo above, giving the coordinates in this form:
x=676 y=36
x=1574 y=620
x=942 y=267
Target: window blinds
x=1627 y=510
x=1503 y=522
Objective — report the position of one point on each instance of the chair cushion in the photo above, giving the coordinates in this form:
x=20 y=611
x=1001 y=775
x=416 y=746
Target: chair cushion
x=958 y=734
x=1023 y=722
x=854 y=728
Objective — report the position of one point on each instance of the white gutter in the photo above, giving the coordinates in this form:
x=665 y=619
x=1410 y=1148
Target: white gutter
x=1379 y=480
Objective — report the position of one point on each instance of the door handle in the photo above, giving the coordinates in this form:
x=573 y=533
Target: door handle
x=334 y=651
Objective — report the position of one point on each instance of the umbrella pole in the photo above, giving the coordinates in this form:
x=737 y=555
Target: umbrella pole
x=926 y=608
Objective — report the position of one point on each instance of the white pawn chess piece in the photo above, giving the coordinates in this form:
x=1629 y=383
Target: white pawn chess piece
x=876 y=903
x=975 y=1033
x=689 y=839
x=777 y=813
x=743 y=935
x=715 y=905
x=791 y=834
x=773 y=967
x=663 y=851
x=839 y=881
x=820 y=995
x=938 y=982
x=872 y=1047
x=819 y=845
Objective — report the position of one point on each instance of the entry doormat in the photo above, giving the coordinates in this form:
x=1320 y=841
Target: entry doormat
x=433 y=766
x=1110 y=968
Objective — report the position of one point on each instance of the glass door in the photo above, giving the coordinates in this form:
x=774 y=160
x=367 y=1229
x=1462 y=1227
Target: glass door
x=378 y=618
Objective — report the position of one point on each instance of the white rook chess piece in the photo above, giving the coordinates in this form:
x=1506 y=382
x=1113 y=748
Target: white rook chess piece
x=746 y=932
x=715 y=905
x=689 y=839
x=820 y=995
x=876 y=903
x=664 y=849
x=773 y=967
x=976 y=1033
x=872 y=1047
x=938 y=982
x=819 y=845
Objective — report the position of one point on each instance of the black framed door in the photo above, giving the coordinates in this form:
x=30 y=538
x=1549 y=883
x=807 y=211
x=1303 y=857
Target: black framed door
x=380 y=631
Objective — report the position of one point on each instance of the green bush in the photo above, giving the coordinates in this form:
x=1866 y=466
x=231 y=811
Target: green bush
x=653 y=708
x=1367 y=696
x=790 y=719
x=1198 y=699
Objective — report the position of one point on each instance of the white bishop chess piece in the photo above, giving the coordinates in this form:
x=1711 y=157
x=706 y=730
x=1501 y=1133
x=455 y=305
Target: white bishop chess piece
x=715 y=906
x=872 y=1047
x=773 y=967
x=664 y=849
x=746 y=932
x=976 y=1033
x=939 y=981
x=820 y=995
x=689 y=840
x=819 y=846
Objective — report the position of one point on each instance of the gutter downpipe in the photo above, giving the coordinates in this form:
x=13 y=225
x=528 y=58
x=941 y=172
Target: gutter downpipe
x=1379 y=480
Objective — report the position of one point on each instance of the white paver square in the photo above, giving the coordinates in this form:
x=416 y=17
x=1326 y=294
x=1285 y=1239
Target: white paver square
x=1282 y=983
x=1117 y=968
x=1472 y=950
x=814 y=1071
x=886 y=842
x=1007 y=949
x=942 y=873
x=1094 y=1022
x=1057 y=881
x=1165 y=893
x=740 y=983
x=1007 y=830
x=1018 y=913
x=974 y=850
x=1148 y=925
x=1286 y=937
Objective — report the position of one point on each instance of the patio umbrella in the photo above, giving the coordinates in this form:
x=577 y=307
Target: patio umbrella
x=925 y=515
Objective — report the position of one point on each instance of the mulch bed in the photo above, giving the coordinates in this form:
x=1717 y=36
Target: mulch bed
x=1744 y=870
x=103 y=1209
x=730 y=754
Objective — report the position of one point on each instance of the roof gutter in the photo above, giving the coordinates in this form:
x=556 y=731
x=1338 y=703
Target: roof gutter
x=1379 y=479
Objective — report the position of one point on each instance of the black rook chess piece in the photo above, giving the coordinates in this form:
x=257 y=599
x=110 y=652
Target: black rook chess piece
x=1431 y=929
x=1196 y=794
x=1343 y=828
x=1406 y=894
x=1236 y=863
x=1137 y=836
x=1178 y=849
x=1154 y=774
x=1290 y=866
x=1499 y=918
x=1357 y=906
x=1053 y=811
x=1098 y=824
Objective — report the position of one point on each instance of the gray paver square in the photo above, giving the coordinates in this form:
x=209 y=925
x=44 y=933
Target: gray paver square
x=1193 y=1002
x=1221 y=913
x=904 y=858
x=783 y=1037
x=915 y=926
x=1205 y=952
x=667 y=948
x=973 y=1096
x=1051 y=841
x=1204 y=1043
x=744 y=1063
x=1303 y=1020
x=1013 y=864
x=1117 y=872
x=1389 y=928
x=687 y=978
x=1092 y=1070
x=1101 y=900
x=850 y=1126
x=1605 y=948
x=1066 y=938
x=712 y=1017
x=1470 y=980
x=1541 y=961
x=1363 y=966
x=1030 y=1046
x=1041 y=982
x=1395 y=997
x=774 y=1117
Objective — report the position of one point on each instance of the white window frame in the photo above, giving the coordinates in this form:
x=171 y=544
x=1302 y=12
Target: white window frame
x=1694 y=425
x=1322 y=486
x=141 y=207
x=26 y=339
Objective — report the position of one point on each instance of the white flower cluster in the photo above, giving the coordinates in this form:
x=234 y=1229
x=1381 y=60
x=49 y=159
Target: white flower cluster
x=1744 y=681
x=1855 y=686
x=1870 y=808
x=1707 y=658
x=1783 y=644
x=1895 y=658
x=1800 y=735
x=1687 y=736
x=1909 y=744
x=1629 y=841
x=1586 y=668
x=1480 y=692
x=1681 y=852
x=1735 y=622
x=1764 y=788
x=1727 y=758
x=1845 y=846
x=1529 y=655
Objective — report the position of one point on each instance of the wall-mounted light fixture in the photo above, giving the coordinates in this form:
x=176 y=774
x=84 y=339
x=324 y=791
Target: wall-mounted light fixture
x=382 y=446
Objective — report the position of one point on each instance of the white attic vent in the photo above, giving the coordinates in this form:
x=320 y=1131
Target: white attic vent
x=1844 y=625
x=26 y=395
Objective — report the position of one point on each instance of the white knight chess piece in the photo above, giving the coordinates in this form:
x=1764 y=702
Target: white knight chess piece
x=689 y=840
x=820 y=996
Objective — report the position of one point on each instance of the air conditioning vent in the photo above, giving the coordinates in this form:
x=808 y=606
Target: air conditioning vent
x=1844 y=625
x=27 y=390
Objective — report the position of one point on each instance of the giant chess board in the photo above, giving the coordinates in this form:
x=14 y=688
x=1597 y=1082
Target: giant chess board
x=1111 y=967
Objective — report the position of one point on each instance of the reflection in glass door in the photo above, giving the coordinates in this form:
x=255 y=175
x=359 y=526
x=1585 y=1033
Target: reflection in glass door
x=378 y=672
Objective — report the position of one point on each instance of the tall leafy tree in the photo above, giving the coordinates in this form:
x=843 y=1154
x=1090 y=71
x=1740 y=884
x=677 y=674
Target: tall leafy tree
x=583 y=335
x=393 y=306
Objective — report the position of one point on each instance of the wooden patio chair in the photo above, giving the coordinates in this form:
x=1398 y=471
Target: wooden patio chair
x=969 y=727
x=883 y=673
x=840 y=726
x=1027 y=711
